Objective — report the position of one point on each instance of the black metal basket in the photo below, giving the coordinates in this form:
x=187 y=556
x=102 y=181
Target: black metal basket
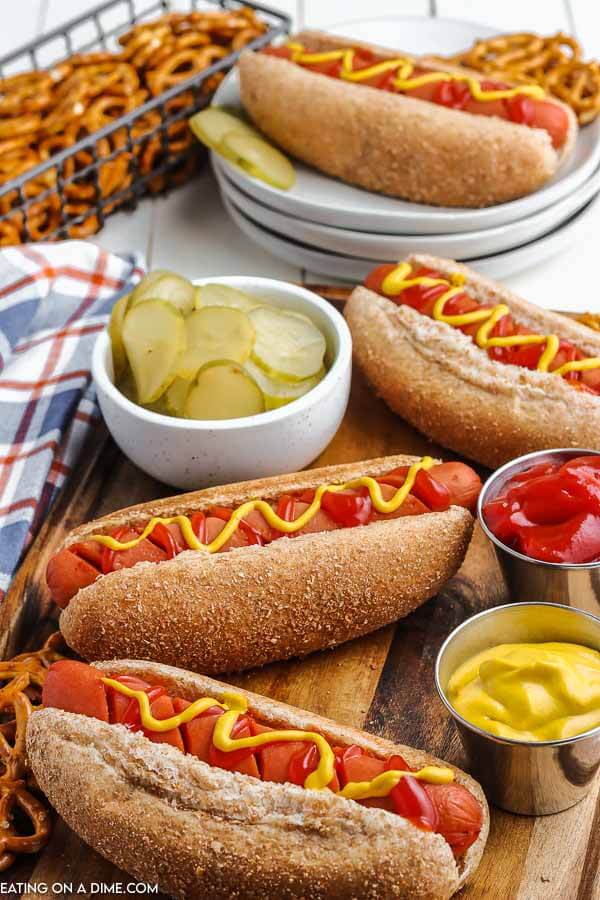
x=24 y=207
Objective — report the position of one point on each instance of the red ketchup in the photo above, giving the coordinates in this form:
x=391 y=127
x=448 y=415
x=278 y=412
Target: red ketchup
x=551 y=511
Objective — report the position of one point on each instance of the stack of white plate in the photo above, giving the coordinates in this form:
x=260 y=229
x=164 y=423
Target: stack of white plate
x=337 y=230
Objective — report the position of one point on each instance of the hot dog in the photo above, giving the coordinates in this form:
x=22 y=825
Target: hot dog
x=241 y=796
x=233 y=577
x=403 y=126
x=473 y=366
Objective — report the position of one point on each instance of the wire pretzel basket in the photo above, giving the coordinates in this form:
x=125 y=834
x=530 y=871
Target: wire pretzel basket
x=93 y=115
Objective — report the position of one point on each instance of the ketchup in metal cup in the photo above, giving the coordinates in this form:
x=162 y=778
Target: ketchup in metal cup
x=551 y=511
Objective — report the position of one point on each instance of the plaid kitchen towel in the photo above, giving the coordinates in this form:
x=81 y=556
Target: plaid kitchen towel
x=54 y=299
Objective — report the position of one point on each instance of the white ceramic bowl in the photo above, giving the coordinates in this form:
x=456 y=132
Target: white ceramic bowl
x=193 y=454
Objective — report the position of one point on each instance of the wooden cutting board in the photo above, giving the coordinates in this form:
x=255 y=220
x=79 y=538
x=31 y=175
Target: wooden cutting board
x=383 y=682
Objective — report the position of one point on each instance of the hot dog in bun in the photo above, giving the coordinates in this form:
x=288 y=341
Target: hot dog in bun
x=472 y=365
x=408 y=127
x=237 y=576
x=214 y=792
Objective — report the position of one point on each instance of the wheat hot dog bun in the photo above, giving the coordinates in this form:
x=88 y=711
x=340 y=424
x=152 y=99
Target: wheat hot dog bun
x=437 y=379
x=200 y=831
x=394 y=144
x=223 y=612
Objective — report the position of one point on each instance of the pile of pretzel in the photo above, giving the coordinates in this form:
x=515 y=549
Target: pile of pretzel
x=554 y=62
x=592 y=320
x=24 y=817
x=45 y=112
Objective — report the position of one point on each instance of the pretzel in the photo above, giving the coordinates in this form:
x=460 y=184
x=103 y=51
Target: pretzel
x=25 y=93
x=13 y=795
x=592 y=320
x=173 y=44
x=107 y=108
x=8 y=145
x=21 y=682
x=141 y=46
x=44 y=218
x=97 y=58
x=554 y=62
x=181 y=66
x=243 y=37
x=19 y=125
x=87 y=226
x=578 y=84
x=45 y=112
x=10 y=230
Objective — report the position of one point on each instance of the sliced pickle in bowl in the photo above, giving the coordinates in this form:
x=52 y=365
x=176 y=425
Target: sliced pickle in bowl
x=223 y=390
x=278 y=392
x=223 y=295
x=163 y=285
x=176 y=395
x=115 y=333
x=259 y=159
x=154 y=338
x=215 y=333
x=126 y=385
x=288 y=345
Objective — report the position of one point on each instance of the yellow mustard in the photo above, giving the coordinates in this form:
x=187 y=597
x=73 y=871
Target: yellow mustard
x=529 y=692
x=398 y=280
x=404 y=70
x=382 y=506
x=235 y=705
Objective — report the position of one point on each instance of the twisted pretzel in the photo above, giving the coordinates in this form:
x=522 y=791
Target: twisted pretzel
x=578 y=84
x=22 y=679
x=592 y=320
x=554 y=62
x=25 y=93
x=45 y=112
x=10 y=230
x=182 y=65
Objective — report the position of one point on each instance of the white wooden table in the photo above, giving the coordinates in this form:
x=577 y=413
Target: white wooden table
x=190 y=232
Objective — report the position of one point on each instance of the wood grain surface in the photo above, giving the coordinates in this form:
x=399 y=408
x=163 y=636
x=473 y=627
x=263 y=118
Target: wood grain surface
x=383 y=682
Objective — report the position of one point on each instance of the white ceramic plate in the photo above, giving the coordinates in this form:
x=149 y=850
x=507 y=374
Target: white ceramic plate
x=322 y=199
x=389 y=248
x=348 y=268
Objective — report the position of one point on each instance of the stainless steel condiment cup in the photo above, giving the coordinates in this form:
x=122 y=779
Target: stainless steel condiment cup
x=527 y=777
x=534 y=580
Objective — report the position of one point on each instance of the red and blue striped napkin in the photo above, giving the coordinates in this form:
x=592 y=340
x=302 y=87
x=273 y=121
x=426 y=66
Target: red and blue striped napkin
x=54 y=299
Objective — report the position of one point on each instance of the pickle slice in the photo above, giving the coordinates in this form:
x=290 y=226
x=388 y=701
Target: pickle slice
x=115 y=333
x=211 y=125
x=223 y=295
x=288 y=345
x=278 y=392
x=154 y=338
x=176 y=395
x=163 y=285
x=259 y=159
x=126 y=385
x=216 y=332
x=223 y=390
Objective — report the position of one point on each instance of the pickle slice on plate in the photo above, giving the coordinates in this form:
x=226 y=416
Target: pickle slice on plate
x=223 y=295
x=216 y=332
x=154 y=338
x=211 y=125
x=176 y=395
x=163 y=285
x=288 y=345
x=259 y=158
x=223 y=390
x=115 y=333
x=278 y=392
